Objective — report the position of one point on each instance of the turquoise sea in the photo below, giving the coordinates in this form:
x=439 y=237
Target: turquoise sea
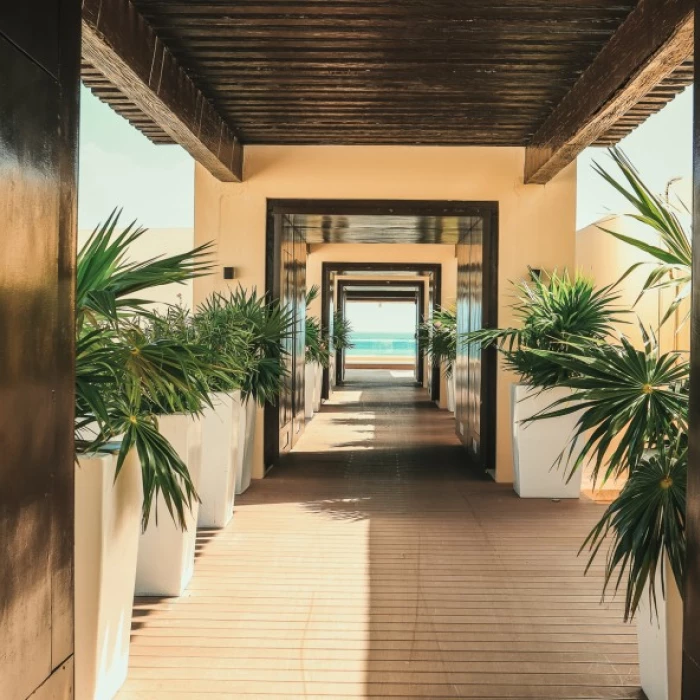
x=382 y=344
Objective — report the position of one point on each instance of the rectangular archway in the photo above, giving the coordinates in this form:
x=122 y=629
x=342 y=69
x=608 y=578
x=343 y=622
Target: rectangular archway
x=466 y=225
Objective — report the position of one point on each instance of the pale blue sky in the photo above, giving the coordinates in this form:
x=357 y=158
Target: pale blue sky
x=121 y=167
x=661 y=149
x=367 y=317
x=155 y=184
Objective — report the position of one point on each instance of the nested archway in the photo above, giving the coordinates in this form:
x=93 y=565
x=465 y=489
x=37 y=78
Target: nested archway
x=471 y=228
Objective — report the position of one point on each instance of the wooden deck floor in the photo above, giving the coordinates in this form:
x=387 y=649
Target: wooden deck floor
x=373 y=564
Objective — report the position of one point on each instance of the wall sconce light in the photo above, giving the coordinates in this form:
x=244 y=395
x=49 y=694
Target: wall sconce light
x=229 y=273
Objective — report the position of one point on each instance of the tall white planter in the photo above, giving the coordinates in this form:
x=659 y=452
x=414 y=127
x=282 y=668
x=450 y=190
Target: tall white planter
x=451 y=386
x=660 y=641
x=107 y=529
x=537 y=445
x=246 y=473
x=318 y=385
x=309 y=388
x=221 y=453
x=166 y=552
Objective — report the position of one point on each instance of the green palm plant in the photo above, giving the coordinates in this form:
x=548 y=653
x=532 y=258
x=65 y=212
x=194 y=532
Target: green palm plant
x=438 y=339
x=106 y=280
x=673 y=251
x=125 y=377
x=266 y=325
x=316 y=339
x=341 y=332
x=552 y=310
x=639 y=398
x=630 y=400
x=223 y=341
x=647 y=526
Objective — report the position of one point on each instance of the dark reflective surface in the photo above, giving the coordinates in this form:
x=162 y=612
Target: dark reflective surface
x=293 y=297
x=38 y=123
x=476 y=369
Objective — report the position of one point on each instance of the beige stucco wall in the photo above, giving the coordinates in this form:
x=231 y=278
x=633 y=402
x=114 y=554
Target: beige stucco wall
x=606 y=259
x=536 y=223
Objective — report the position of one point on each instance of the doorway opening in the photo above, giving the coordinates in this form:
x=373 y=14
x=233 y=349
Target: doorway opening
x=302 y=231
x=384 y=315
x=384 y=325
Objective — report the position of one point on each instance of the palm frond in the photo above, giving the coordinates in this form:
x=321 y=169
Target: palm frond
x=647 y=526
x=438 y=338
x=673 y=251
x=629 y=400
x=552 y=310
x=341 y=332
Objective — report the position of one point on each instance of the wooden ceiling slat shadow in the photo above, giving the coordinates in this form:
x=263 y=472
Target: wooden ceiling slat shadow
x=386 y=72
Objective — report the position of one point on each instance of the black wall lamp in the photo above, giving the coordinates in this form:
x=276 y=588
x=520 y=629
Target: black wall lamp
x=229 y=273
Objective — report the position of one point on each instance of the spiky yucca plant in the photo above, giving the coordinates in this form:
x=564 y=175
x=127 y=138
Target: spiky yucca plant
x=341 y=332
x=316 y=338
x=250 y=330
x=646 y=524
x=672 y=252
x=552 y=311
x=630 y=400
x=635 y=415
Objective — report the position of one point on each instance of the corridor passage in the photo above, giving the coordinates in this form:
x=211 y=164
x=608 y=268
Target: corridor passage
x=375 y=564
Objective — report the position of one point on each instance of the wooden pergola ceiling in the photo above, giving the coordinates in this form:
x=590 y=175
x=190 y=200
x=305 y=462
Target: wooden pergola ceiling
x=553 y=75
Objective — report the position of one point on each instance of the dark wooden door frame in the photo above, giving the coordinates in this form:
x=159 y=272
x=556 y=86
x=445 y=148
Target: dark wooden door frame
x=419 y=295
x=486 y=458
x=433 y=271
x=484 y=209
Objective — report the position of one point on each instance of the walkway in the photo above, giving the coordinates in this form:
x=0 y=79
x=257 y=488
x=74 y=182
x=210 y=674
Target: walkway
x=375 y=565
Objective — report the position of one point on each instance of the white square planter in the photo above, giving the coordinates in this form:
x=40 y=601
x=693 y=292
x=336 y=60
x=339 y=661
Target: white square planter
x=221 y=452
x=246 y=472
x=451 y=386
x=107 y=530
x=309 y=389
x=166 y=552
x=318 y=386
x=537 y=445
x=660 y=641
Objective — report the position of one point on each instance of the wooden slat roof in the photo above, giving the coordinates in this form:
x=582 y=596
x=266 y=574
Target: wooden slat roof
x=465 y=72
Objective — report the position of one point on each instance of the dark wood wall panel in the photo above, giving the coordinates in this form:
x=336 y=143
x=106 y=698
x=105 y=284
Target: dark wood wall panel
x=38 y=152
x=286 y=282
x=31 y=26
x=477 y=294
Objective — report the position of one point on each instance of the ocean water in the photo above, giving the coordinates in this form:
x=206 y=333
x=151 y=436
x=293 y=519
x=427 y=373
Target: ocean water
x=382 y=344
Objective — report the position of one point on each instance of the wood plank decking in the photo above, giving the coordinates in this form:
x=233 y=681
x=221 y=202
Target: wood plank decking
x=373 y=564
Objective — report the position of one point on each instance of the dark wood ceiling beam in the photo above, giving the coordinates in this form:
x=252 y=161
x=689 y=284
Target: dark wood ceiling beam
x=651 y=43
x=122 y=46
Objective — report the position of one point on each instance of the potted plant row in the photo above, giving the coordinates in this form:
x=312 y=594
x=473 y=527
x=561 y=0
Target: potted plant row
x=124 y=382
x=161 y=403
